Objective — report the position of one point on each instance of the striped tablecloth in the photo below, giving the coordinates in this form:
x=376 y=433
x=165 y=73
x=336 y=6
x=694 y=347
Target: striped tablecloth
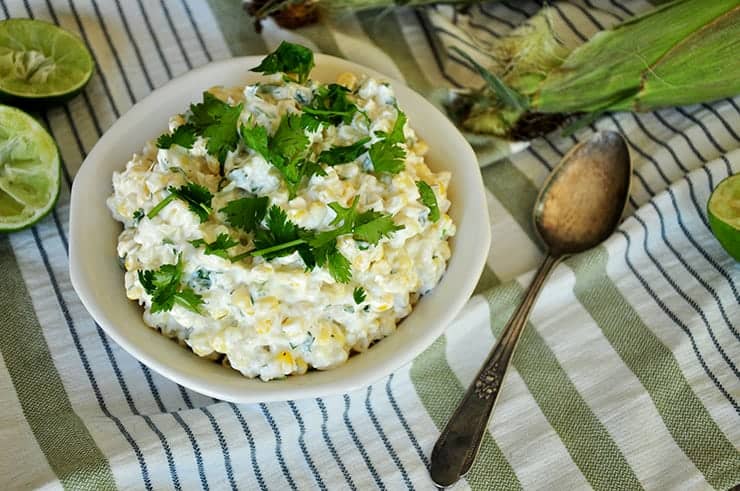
x=626 y=377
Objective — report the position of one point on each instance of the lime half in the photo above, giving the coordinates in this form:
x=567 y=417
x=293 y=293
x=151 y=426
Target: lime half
x=40 y=62
x=29 y=170
x=724 y=214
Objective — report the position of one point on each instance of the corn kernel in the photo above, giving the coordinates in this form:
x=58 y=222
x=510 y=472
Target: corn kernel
x=242 y=300
x=420 y=147
x=285 y=359
x=268 y=303
x=347 y=79
x=263 y=326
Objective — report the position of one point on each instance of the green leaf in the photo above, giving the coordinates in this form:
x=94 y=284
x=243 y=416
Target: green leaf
x=339 y=266
x=184 y=136
x=189 y=299
x=343 y=155
x=289 y=139
x=246 y=213
x=288 y=58
x=331 y=105
x=163 y=285
x=387 y=157
x=359 y=295
x=217 y=121
x=256 y=138
x=218 y=247
x=396 y=135
x=373 y=226
x=428 y=199
x=196 y=196
x=138 y=215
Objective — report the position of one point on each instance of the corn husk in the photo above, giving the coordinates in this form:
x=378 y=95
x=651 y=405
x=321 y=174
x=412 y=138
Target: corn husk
x=685 y=52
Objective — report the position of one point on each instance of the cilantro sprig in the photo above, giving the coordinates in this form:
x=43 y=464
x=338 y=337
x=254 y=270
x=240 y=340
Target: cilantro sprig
x=294 y=60
x=184 y=136
x=212 y=119
x=386 y=155
x=164 y=286
x=196 y=196
x=345 y=154
x=330 y=104
x=218 y=247
x=428 y=199
x=286 y=150
x=279 y=236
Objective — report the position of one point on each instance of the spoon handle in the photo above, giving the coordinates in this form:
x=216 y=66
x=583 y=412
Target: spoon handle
x=460 y=440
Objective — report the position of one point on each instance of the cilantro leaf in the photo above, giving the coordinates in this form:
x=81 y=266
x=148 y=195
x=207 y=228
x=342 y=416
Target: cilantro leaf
x=343 y=155
x=359 y=295
x=331 y=105
x=138 y=215
x=428 y=199
x=196 y=196
x=385 y=154
x=281 y=236
x=218 y=247
x=184 y=136
x=217 y=121
x=339 y=266
x=288 y=58
x=189 y=299
x=256 y=138
x=289 y=139
x=246 y=213
x=373 y=226
x=387 y=157
x=163 y=285
x=396 y=135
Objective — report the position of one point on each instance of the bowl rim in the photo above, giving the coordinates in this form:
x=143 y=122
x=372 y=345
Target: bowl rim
x=278 y=392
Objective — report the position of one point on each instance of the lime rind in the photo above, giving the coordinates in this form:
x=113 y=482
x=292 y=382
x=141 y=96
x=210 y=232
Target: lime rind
x=723 y=210
x=41 y=62
x=30 y=170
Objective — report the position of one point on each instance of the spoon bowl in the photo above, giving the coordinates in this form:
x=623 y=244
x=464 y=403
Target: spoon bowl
x=582 y=201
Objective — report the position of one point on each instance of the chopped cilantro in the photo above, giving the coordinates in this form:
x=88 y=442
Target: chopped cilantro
x=217 y=121
x=246 y=213
x=359 y=295
x=138 y=215
x=428 y=199
x=385 y=154
x=218 y=247
x=201 y=278
x=184 y=136
x=290 y=59
x=343 y=155
x=331 y=105
x=285 y=150
x=196 y=196
x=165 y=289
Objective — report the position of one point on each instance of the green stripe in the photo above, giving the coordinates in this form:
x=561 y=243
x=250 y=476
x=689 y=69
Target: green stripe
x=237 y=28
x=440 y=391
x=61 y=434
x=384 y=30
x=515 y=191
x=657 y=369
x=583 y=435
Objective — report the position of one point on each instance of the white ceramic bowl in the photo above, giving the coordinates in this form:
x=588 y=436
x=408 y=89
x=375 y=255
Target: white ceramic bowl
x=98 y=279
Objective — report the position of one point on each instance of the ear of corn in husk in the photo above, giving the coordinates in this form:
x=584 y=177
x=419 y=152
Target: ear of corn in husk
x=685 y=52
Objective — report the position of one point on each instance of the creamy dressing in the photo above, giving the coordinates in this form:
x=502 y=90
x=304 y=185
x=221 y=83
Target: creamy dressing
x=273 y=318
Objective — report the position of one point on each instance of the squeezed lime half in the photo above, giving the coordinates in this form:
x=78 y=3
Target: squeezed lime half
x=724 y=214
x=30 y=170
x=40 y=62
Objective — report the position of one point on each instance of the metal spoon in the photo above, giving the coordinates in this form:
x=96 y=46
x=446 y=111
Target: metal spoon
x=578 y=207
